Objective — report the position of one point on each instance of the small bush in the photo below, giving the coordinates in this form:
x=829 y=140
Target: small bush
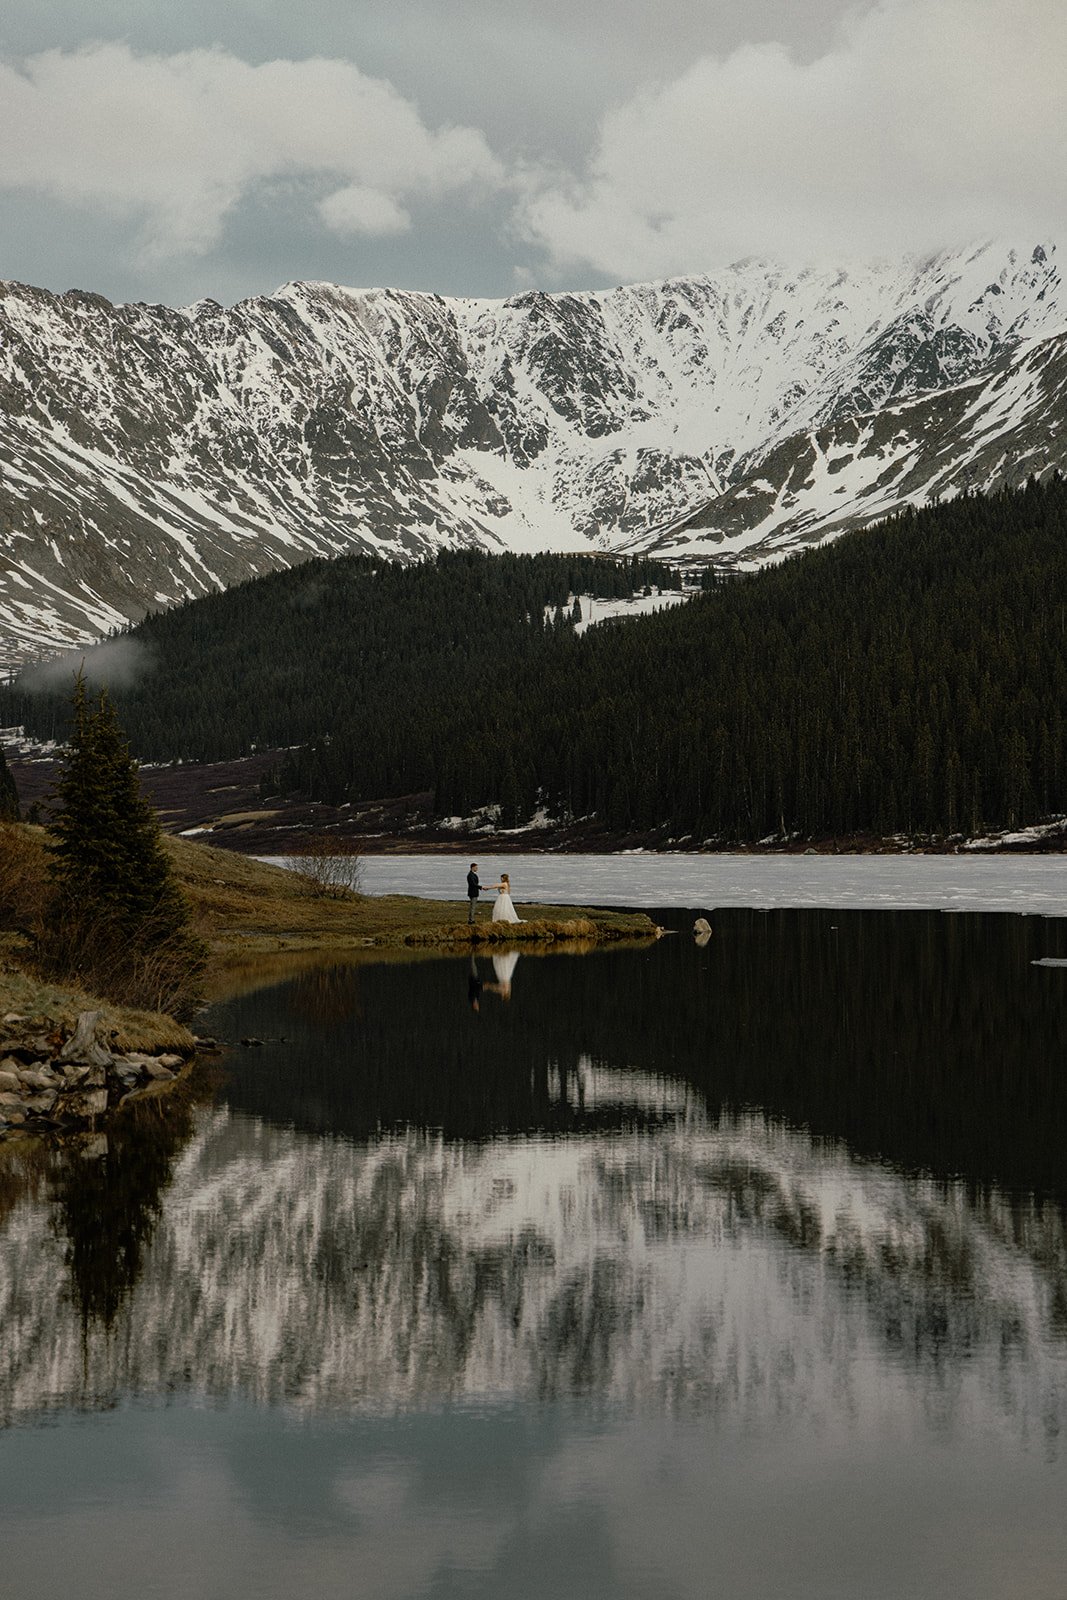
x=333 y=867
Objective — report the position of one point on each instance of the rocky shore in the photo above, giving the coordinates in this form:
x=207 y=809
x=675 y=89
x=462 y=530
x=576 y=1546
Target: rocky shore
x=55 y=1077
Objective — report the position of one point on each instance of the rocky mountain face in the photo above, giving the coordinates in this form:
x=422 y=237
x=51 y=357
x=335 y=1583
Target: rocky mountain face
x=148 y=454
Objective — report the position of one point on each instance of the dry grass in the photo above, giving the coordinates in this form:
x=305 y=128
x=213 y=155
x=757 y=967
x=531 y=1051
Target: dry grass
x=545 y=928
x=80 y=948
x=23 y=874
x=234 y=817
x=241 y=904
x=251 y=914
x=237 y=901
x=26 y=996
x=24 y=906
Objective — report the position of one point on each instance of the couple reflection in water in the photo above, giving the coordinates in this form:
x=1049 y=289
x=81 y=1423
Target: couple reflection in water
x=503 y=969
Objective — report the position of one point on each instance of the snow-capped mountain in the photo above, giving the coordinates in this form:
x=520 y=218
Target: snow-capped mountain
x=149 y=454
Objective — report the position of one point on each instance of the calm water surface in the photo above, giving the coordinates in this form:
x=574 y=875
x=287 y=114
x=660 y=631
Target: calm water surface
x=671 y=1272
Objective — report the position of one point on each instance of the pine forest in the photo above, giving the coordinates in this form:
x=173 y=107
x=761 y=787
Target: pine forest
x=905 y=679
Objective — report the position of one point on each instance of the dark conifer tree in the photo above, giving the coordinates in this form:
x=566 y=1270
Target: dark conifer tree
x=114 y=888
x=9 y=799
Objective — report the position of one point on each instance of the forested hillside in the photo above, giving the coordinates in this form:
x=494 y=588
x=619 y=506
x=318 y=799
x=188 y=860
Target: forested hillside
x=908 y=678
x=297 y=655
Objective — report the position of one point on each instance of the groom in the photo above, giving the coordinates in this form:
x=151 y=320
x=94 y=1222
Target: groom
x=474 y=889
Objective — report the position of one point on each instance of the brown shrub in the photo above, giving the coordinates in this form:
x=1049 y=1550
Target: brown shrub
x=333 y=867
x=148 y=968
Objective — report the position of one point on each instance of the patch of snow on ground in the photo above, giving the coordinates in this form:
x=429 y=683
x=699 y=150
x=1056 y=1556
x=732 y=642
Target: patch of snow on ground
x=595 y=610
x=15 y=742
x=1041 y=830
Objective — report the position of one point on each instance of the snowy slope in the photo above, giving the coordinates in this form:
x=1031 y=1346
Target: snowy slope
x=149 y=454
x=991 y=430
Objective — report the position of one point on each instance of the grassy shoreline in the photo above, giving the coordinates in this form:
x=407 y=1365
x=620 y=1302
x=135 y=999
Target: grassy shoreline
x=249 y=912
x=243 y=904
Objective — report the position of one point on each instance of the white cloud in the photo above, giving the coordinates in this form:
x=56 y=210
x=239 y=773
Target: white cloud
x=176 y=141
x=922 y=122
x=358 y=209
x=115 y=664
x=928 y=121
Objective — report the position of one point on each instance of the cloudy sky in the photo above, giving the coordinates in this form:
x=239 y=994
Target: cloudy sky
x=221 y=147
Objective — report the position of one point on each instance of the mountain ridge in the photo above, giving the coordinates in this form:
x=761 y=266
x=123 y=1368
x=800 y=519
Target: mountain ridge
x=150 y=454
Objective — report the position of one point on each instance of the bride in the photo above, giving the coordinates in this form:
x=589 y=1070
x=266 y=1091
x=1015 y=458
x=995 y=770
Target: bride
x=503 y=910
x=504 y=968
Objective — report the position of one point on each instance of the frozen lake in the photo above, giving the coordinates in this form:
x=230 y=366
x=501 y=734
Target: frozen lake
x=1034 y=884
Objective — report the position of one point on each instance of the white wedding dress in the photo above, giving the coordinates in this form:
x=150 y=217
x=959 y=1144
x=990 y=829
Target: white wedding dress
x=503 y=910
x=504 y=969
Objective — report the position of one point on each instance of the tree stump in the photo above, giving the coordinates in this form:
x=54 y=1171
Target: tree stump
x=83 y=1045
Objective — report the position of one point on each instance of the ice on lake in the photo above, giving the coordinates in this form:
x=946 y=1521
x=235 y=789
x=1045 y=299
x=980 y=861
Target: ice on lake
x=1023 y=883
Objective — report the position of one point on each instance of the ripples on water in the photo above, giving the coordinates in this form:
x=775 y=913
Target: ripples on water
x=662 y=1269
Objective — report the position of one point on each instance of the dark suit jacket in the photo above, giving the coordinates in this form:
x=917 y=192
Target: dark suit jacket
x=474 y=888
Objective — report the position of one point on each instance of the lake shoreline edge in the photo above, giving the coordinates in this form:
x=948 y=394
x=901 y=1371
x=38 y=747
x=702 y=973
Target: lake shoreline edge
x=244 y=910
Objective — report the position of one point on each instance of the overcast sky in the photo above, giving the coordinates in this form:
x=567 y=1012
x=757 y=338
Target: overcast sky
x=221 y=147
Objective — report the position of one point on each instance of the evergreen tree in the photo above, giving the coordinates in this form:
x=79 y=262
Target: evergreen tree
x=9 y=800
x=115 y=893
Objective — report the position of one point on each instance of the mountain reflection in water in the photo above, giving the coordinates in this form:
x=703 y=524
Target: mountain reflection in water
x=926 y=1040
x=685 y=1179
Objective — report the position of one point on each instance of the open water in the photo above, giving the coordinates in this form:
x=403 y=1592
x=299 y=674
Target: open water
x=737 y=1268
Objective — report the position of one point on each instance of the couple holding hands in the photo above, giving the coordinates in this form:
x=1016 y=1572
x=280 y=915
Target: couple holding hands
x=503 y=910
